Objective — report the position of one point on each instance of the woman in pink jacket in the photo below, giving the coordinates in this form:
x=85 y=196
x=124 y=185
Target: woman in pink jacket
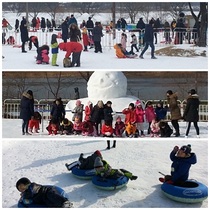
x=139 y=117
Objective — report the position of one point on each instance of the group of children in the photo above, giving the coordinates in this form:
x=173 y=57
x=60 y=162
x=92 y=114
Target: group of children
x=33 y=193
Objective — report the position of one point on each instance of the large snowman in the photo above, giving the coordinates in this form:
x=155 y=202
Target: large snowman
x=105 y=86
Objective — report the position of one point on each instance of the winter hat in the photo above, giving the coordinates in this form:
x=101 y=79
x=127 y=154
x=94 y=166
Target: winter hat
x=186 y=149
x=132 y=105
x=30 y=92
x=192 y=91
x=24 y=181
x=78 y=102
x=97 y=152
x=98 y=162
x=109 y=102
x=138 y=103
x=169 y=92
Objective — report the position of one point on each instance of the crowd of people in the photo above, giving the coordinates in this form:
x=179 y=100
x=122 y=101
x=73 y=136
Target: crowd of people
x=98 y=120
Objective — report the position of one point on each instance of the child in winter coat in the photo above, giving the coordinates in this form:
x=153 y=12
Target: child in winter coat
x=54 y=49
x=78 y=111
x=53 y=127
x=182 y=159
x=77 y=127
x=130 y=120
x=149 y=114
x=34 y=40
x=42 y=55
x=122 y=53
x=85 y=38
x=134 y=43
x=160 y=111
x=107 y=130
x=155 y=129
x=119 y=127
x=139 y=117
x=88 y=110
x=123 y=41
x=88 y=129
x=165 y=129
x=34 y=122
x=33 y=193
x=85 y=163
x=66 y=127
x=103 y=169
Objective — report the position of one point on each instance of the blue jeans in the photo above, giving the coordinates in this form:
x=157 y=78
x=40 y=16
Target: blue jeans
x=147 y=44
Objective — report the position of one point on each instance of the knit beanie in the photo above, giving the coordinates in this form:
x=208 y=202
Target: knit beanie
x=98 y=162
x=22 y=180
x=186 y=149
x=97 y=152
x=138 y=103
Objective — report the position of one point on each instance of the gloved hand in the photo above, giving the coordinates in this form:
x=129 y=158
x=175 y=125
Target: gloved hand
x=169 y=182
x=176 y=148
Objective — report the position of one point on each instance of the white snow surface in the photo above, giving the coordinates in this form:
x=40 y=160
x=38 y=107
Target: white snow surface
x=43 y=162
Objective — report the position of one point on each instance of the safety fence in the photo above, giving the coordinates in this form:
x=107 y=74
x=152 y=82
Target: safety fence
x=110 y=38
x=11 y=108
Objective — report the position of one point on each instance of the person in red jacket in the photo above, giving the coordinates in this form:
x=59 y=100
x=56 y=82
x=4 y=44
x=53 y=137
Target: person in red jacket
x=107 y=130
x=130 y=120
x=74 y=48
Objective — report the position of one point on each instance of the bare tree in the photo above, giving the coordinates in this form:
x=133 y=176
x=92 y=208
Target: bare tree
x=201 y=23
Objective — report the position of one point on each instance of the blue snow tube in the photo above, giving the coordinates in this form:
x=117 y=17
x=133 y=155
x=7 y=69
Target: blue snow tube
x=109 y=184
x=191 y=192
x=83 y=173
x=29 y=204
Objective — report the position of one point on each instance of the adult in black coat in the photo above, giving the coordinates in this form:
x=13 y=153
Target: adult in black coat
x=75 y=33
x=180 y=31
x=17 y=25
x=43 y=24
x=57 y=112
x=149 y=39
x=140 y=24
x=65 y=30
x=26 y=110
x=123 y=24
x=108 y=112
x=156 y=28
x=23 y=34
x=89 y=26
x=191 y=111
x=97 y=34
x=97 y=115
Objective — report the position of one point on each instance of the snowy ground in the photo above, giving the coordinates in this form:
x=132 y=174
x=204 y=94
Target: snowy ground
x=11 y=128
x=14 y=59
x=43 y=162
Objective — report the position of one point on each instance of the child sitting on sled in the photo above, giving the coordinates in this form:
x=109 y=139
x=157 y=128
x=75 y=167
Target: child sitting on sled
x=182 y=159
x=33 y=193
x=43 y=55
x=85 y=163
x=123 y=53
x=103 y=169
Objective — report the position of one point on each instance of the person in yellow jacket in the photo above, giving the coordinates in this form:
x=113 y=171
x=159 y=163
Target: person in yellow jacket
x=54 y=49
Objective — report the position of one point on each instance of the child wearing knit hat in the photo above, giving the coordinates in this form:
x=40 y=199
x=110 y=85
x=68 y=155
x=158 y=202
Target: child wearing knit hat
x=182 y=159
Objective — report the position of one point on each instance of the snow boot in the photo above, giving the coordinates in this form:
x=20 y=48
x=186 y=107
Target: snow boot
x=133 y=177
x=161 y=179
x=108 y=144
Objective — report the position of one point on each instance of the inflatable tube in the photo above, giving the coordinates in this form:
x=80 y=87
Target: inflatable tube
x=191 y=192
x=22 y=204
x=109 y=184
x=83 y=173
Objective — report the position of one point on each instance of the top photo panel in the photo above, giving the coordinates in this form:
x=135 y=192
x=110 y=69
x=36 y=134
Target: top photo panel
x=104 y=35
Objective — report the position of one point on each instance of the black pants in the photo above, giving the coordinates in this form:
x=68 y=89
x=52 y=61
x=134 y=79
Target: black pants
x=97 y=46
x=134 y=46
x=25 y=126
x=108 y=143
x=23 y=46
x=195 y=125
x=176 y=126
x=76 y=58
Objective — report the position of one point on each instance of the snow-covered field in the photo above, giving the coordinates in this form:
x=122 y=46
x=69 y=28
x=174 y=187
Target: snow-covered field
x=43 y=162
x=14 y=59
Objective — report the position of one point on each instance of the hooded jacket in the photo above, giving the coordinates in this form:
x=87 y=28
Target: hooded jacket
x=70 y=47
x=181 y=166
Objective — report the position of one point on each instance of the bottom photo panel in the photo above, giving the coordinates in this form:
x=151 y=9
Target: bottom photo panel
x=105 y=173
